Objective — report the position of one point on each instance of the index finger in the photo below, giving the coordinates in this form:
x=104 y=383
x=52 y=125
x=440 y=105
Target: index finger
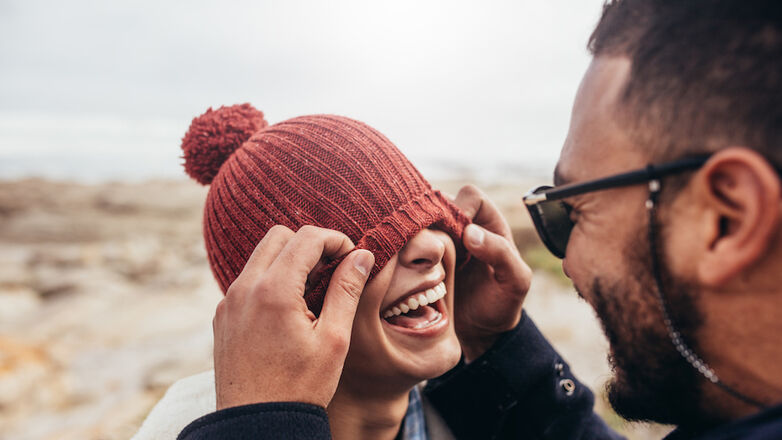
x=482 y=211
x=302 y=252
x=264 y=254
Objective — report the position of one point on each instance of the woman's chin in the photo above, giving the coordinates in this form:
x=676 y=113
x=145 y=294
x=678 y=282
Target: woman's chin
x=400 y=371
x=431 y=362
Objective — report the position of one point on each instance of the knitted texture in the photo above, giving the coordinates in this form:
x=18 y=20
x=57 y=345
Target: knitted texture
x=215 y=135
x=323 y=170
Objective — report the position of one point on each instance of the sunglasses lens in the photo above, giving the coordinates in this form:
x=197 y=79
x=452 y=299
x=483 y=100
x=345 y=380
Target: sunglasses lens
x=552 y=221
x=556 y=225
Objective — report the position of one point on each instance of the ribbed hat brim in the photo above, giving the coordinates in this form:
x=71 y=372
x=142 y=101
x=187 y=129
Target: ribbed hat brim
x=389 y=236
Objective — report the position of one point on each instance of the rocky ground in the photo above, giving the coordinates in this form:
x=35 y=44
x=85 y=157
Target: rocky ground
x=106 y=299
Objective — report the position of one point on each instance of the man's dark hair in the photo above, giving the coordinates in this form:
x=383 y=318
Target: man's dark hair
x=706 y=74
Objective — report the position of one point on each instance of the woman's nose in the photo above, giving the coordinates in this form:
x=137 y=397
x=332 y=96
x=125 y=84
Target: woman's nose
x=424 y=250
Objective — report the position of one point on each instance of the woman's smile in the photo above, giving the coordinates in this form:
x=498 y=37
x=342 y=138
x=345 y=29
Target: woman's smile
x=421 y=313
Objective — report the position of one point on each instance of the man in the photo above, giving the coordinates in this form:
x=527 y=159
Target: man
x=681 y=261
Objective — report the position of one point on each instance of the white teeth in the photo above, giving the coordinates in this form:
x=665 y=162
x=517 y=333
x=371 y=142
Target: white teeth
x=429 y=296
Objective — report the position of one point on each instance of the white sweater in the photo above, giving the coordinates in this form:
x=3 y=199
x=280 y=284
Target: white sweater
x=192 y=397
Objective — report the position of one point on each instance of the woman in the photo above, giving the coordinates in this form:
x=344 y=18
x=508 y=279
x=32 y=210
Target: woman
x=336 y=173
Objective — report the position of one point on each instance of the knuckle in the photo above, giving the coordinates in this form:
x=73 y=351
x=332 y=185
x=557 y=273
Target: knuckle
x=503 y=277
x=502 y=247
x=278 y=230
x=526 y=280
x=308 y=230
x=526 y=270
x=469 y=190
x=346 y=241
x=338 y=341
x=520 y=277
x=261 y=282
x=270 y=306
x=235 y=291
x=260 y=291
x=220 y=311
x=497 y=248
x=469 y=199
x=349 y=285
x=521 y=288
x=509 y=248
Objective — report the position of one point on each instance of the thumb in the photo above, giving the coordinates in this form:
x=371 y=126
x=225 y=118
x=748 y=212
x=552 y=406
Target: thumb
x=344 y=291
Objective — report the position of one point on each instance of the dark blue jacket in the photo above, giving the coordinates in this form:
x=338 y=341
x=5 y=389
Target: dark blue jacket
x=520 y=389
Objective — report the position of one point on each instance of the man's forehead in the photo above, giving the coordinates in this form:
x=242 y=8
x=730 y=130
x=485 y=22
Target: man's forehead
x=596 y=144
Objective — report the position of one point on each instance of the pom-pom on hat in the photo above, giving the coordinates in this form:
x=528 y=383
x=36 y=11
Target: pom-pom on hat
x=215 y=135
x=323 y=170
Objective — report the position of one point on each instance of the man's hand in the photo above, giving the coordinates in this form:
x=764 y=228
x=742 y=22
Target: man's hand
x=490 y=290
x=268 y=346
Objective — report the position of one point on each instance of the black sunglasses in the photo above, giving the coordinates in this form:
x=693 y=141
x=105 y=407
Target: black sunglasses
x=551 y=215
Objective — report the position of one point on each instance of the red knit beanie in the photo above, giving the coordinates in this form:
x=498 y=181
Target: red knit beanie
x=322 y=170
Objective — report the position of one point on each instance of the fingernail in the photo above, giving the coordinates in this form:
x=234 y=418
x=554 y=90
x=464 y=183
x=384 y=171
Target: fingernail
x=364 y=262
x=475 y=235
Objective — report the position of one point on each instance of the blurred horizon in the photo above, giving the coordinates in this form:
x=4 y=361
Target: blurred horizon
x=94 y=91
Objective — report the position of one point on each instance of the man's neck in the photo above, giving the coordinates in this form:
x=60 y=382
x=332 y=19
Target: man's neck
x=362 y=415
x=740 y=341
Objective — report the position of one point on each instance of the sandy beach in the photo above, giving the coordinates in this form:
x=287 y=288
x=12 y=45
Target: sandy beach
x=106 y=298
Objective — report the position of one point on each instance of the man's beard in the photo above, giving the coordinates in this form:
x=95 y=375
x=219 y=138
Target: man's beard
x=652 y=381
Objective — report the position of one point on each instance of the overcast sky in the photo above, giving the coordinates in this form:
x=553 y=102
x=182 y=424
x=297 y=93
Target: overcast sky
x=106 y=89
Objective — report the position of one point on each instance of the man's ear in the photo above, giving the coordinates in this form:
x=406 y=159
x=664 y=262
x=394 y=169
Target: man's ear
x=739 y=192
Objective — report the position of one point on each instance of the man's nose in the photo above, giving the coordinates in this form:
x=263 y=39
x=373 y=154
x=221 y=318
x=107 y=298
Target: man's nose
x=424 y=250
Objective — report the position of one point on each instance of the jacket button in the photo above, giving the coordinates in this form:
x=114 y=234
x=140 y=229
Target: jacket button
x=568 y=385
